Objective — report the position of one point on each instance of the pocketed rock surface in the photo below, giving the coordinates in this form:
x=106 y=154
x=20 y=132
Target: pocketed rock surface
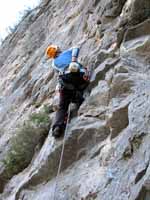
x=107 y=146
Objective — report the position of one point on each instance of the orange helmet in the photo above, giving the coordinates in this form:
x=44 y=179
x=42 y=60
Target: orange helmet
x=51 y=51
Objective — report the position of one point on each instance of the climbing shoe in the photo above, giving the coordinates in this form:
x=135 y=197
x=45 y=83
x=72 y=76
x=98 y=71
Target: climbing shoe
x=57 y=132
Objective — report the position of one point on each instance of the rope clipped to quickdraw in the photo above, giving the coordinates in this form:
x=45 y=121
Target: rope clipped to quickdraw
x=62 y=153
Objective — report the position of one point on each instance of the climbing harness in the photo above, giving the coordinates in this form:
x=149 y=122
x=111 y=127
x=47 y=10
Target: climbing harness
x=62 y=153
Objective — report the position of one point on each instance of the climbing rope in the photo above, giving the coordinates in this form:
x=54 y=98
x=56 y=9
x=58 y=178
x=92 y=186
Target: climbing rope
x=62 y=153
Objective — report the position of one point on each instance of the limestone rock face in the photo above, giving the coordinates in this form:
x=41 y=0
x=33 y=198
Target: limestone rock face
x=106 y=154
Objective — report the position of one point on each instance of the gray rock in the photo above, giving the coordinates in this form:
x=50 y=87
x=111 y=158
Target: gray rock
x=107 y=145
x=136 y=44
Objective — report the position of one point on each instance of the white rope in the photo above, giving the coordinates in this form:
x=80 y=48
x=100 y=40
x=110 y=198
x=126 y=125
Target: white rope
x=62 y=153
x=63 y=145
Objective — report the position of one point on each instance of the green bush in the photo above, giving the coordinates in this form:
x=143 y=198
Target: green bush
x=40 y=118
x=21 y=150
x=23 y=144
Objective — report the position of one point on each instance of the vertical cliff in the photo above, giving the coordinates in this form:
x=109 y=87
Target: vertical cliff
x=106 y=153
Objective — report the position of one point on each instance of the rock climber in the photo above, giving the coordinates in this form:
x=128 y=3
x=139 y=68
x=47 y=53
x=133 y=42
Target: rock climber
x=73 y=79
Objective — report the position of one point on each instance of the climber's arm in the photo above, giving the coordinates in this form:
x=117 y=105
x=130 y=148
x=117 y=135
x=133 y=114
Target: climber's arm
x=75 y=53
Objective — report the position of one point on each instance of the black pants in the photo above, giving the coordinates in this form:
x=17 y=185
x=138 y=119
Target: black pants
x=66 y=97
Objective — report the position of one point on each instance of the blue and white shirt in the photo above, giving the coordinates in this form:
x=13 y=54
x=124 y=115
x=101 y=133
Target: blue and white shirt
x=62 y=61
